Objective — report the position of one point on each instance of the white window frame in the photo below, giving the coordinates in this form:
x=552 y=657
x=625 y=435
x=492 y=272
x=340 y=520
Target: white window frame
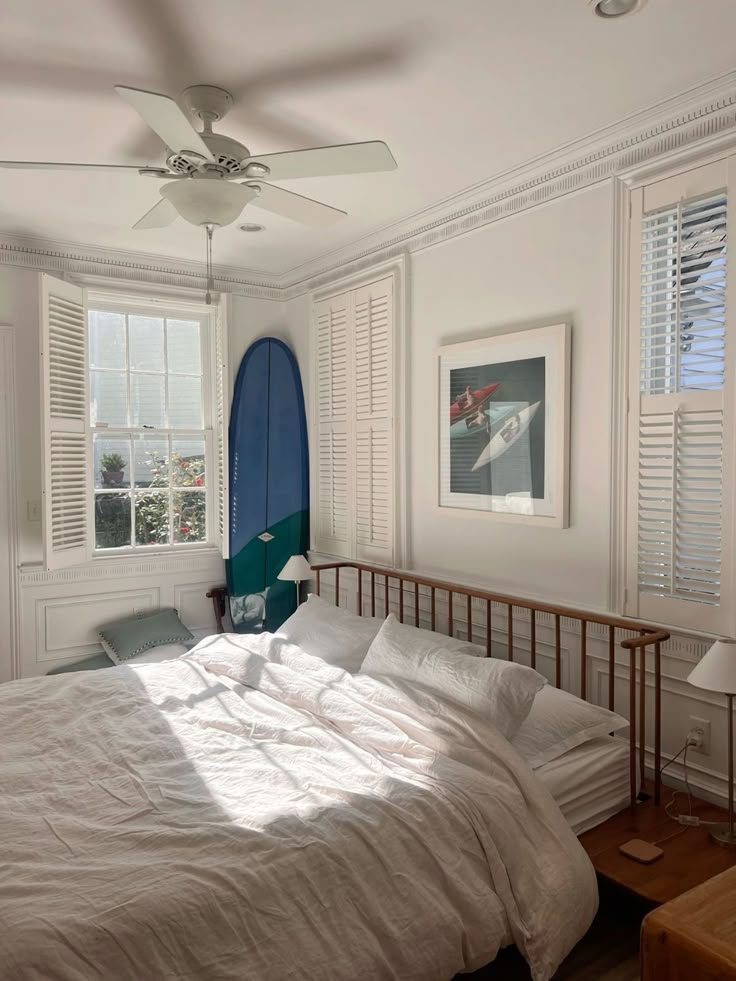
x=397 y=269
x=216 y=410
x=117 y=303
x=693 y=175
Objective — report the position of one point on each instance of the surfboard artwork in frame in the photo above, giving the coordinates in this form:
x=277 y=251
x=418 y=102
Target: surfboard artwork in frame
x=504 y=425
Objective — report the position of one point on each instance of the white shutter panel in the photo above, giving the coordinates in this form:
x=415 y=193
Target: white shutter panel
x=680 y=437
x=67 y=484
x=334 y=481
x=222 y=421
x=374 y=452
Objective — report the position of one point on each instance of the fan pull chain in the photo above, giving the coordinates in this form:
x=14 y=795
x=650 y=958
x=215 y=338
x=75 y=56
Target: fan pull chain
x=210 y=279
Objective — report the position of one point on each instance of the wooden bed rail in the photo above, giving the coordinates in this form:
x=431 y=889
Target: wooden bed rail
x=371 y=578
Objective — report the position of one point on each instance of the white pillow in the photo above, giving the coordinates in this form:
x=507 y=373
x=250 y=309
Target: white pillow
x=558 y=722
x=499 y=690
x=336 y=635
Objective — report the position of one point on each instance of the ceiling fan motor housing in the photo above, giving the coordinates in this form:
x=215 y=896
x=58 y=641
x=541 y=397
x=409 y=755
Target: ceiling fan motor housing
x=228 y=154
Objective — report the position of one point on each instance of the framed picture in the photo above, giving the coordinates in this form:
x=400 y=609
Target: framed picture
x=504 y=425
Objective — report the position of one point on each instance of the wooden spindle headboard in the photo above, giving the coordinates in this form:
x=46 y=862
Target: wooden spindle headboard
x=633 y=637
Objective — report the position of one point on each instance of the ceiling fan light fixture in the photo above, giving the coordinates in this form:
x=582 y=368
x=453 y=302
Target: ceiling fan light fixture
x=205 y=202
x=609 y=9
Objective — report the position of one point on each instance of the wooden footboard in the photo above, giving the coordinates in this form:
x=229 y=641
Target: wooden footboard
x=380 y=591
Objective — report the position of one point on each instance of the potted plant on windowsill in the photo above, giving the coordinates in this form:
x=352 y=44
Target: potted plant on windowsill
x=113 y=469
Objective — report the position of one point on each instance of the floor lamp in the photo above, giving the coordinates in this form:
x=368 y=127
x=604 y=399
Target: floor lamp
x=296 y=570
x=717 y=672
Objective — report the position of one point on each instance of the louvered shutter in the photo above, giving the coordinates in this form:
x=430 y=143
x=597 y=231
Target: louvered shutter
x=373 y=401
x=334 y=462
x=680 y=504
x=221 y=416
x=67 y=476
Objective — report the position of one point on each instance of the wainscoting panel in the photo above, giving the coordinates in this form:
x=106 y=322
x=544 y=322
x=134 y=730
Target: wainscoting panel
x=67 y=627
x=60 y=614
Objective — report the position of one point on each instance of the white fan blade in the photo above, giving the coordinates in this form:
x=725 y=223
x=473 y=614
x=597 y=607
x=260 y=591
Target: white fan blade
x=294 y=206
x=34 y=165
x=325 y=161
x=166 y=119
x=160 y=215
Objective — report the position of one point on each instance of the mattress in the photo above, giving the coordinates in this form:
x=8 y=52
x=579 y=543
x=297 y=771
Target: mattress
x=591 y=782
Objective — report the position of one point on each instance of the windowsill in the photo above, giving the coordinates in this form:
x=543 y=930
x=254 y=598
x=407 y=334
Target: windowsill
x=203 y=554
x=153 y=551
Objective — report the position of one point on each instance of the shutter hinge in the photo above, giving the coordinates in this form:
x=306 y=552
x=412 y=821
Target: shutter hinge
x=626 y=598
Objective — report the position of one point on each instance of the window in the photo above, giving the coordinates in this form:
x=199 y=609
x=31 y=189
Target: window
x=355 y=343
x=134 y=421
x=151 y=429
x=680 y=535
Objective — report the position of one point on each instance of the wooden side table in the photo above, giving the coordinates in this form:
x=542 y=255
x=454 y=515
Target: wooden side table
x=693 y=937
x=689 y=858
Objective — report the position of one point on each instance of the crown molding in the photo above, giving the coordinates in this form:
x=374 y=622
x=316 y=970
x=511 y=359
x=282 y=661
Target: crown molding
x=90 y=262
x=703 y=115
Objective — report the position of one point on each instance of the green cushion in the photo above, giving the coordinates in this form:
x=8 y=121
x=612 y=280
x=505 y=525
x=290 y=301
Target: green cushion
x=126 y=638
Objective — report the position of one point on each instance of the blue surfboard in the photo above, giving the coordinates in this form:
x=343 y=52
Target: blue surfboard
x=269 y=486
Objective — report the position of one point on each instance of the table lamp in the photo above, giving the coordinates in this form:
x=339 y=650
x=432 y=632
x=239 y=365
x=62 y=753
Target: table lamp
x=717 y=672
x=296 y=570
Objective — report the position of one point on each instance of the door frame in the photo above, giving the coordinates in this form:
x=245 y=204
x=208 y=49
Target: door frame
x=10 y=668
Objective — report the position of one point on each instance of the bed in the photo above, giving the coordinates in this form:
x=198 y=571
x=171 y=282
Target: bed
x=251 y=810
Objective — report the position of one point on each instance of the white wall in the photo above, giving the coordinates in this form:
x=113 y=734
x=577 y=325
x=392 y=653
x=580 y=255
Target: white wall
x=19 y=306
x=548 y=265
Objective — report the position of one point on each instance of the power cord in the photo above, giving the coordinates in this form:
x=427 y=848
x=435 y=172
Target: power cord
x=675 y=793
x=689 y=820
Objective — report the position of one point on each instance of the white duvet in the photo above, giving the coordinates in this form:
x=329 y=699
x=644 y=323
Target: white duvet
x=249 y=812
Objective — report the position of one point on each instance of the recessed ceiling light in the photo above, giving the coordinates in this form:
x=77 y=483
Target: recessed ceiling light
x=617 y=8
x=250 y=226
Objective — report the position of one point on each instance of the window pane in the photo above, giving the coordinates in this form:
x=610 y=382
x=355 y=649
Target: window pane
x=147 y=400
x=150 y=454
x=190 y=516
x=146 y=343
x=187 y=460
x=109 y=401
x=184 y=346
x=185 y=402
x=112 y=520
x=106 y=340
x=111 y=456
x=152 y=518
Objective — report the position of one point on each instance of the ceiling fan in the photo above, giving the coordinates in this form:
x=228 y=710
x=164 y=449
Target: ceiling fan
x=211 y=177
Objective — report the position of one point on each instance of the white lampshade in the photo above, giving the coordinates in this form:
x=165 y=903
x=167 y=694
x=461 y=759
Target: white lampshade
x=207 y=202
x=297 y=569
x=717 y=669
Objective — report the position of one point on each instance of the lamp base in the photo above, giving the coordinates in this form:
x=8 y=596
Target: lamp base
x=722 y=835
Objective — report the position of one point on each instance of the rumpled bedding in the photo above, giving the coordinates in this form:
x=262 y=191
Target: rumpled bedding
x=250 y=812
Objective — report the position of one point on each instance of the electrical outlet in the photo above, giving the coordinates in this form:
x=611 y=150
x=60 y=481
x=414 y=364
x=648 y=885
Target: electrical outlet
x=700 y=729
x=33 y=510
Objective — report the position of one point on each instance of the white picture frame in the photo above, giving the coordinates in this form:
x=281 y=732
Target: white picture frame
x=503 y=426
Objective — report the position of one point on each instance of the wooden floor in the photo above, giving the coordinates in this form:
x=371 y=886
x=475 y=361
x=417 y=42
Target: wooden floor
x=608 y=952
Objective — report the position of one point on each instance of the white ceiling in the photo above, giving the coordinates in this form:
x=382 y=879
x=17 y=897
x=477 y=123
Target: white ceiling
x=460 y=91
